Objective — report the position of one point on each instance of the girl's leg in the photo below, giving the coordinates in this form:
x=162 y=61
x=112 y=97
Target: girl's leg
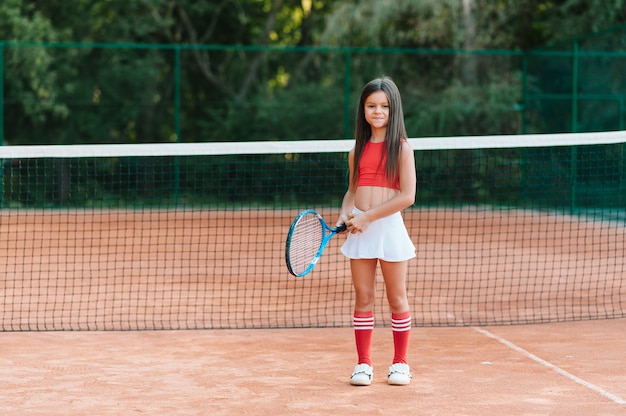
x=394 y=274
x=363 y=280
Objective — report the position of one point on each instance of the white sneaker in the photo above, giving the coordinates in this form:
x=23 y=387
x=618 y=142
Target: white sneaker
x=399 y=374
x=362 y=375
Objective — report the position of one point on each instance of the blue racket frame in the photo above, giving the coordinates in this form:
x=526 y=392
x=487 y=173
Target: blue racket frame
x=327 y=234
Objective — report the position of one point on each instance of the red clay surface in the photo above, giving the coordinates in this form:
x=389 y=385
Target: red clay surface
x=129 y=270
x=575 y=369
x=184 y=269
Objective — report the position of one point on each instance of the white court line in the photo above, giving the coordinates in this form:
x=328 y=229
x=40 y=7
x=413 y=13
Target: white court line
x=551 y=366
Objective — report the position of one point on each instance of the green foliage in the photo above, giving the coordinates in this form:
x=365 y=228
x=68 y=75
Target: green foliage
x=164 y=70
x=271 y=116
x=61 y=95
x=30 y=73
x=469 y=109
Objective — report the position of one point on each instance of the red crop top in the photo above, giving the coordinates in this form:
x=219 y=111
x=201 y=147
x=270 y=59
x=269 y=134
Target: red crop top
x=372 y=169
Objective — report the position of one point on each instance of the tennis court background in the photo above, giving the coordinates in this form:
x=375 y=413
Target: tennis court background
x=502 y=268
x=147 y=267
x=98 y=372
x=573 y=368
x=182 y=252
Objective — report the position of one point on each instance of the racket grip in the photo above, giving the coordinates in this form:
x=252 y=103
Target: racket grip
x=340 y=228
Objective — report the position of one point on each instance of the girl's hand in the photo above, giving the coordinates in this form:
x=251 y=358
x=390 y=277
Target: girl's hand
x=357 y=222
x=343 y=219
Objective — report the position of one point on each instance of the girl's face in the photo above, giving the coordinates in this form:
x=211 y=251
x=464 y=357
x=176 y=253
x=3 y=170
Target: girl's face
x=377 y=110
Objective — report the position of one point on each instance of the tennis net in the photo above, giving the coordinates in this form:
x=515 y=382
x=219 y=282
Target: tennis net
x=508 y=229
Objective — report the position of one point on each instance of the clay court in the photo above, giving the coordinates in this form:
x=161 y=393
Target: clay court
x=114 y=313
x=575 y=369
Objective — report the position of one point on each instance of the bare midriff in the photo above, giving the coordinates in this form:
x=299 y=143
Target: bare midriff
x=368 y=197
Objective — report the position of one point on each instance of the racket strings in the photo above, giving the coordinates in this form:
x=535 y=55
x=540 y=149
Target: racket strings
x=305 y=242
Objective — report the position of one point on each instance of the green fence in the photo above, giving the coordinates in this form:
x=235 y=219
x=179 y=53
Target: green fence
x=70 y=93
x=57 y=93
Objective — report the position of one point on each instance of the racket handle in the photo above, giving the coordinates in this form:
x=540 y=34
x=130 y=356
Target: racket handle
x=340 y=228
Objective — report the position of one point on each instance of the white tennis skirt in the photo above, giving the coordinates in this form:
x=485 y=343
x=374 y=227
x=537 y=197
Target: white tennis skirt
x=386 y=239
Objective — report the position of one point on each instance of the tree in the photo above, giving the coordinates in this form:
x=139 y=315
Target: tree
x=121 y=94
x=30 y=73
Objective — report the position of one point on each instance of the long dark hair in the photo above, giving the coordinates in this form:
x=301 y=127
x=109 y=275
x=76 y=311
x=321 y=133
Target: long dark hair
x=395 y=133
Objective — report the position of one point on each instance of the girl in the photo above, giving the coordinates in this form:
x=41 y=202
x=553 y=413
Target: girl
x=382 y=183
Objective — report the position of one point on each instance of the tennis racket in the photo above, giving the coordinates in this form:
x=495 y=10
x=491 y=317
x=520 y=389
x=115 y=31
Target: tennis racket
x=306 y=240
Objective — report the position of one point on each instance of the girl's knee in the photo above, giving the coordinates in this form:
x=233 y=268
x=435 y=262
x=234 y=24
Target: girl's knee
x=364 y=302
x=398 y=304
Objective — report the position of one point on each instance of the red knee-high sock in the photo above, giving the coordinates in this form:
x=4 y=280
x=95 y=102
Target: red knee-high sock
x=363 y=323
x=401 y=328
